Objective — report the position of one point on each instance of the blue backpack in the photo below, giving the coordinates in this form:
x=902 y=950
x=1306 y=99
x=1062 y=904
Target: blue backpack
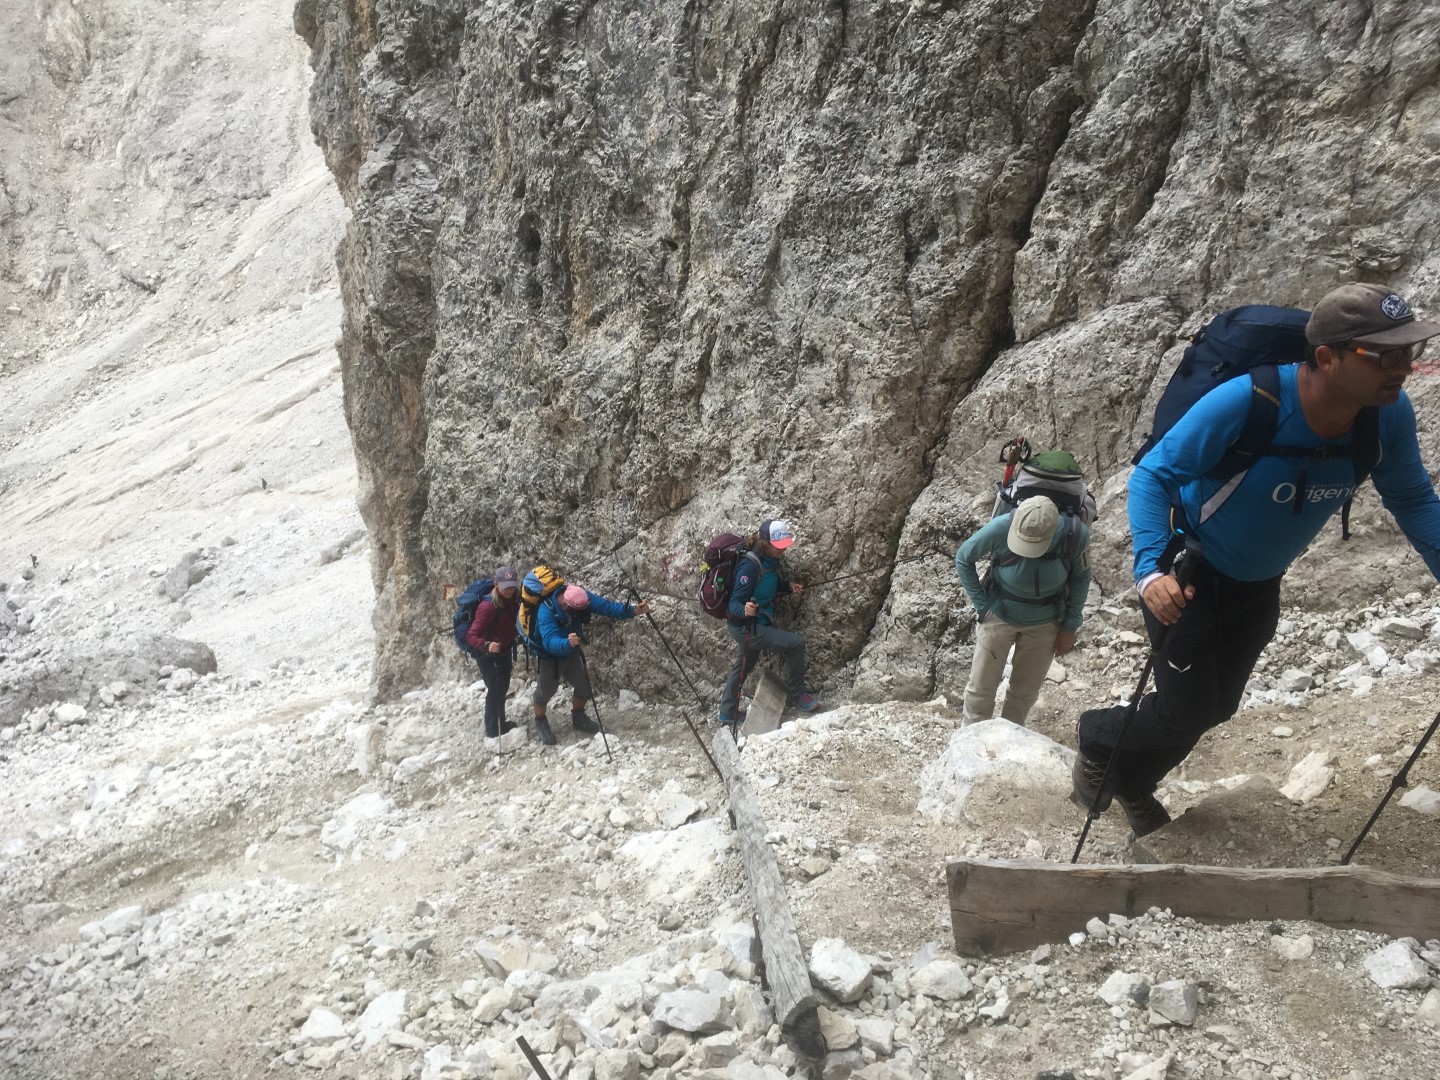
x=465 y=605
x=1254 y=340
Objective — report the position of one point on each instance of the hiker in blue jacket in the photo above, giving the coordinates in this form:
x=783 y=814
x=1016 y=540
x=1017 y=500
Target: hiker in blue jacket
x=750 y=621
x=1246 y=532
x=560 y=624
x=1029 y=606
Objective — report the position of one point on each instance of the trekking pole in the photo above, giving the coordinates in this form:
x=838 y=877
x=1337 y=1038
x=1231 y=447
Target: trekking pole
x=1182 y=578
x=530 y=1057
x=595 y=702
x=1399 y=780
x=635 y=592
x=684 y=713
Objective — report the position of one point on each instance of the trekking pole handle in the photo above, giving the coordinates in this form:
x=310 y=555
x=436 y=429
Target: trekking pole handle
x=1186 y=566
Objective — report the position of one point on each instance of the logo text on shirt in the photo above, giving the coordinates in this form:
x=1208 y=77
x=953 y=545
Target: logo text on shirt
x=1285 y=493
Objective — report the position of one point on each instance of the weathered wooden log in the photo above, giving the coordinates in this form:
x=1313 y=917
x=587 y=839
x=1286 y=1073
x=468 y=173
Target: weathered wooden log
x=1006 y=905
x=785 y=968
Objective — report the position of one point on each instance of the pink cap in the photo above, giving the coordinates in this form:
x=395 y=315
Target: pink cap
x=576 y=597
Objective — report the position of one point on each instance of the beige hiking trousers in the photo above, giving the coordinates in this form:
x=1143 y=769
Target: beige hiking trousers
x=1033 y=647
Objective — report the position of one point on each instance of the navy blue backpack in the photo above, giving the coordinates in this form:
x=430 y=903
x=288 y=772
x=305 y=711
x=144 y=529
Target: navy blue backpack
x=1254 y=340
x=465 y=605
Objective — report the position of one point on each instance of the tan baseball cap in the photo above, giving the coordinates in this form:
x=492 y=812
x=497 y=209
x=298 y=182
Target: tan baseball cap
x=1032 y=527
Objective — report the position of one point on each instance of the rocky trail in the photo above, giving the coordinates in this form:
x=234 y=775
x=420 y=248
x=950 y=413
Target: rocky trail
x=231 y=874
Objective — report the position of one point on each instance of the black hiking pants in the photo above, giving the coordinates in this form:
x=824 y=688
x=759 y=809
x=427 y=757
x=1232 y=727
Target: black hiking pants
x=1201 y=669
x=495 y=670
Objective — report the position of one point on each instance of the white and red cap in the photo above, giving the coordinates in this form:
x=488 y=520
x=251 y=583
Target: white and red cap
x=777 y=533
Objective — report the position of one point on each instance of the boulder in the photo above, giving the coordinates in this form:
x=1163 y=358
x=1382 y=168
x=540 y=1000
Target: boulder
x=698 y=1012
x=1398 y=967
x=840 y=969
x=994 y=756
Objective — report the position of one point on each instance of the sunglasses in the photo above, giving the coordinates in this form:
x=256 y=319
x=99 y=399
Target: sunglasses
x=1389 y=358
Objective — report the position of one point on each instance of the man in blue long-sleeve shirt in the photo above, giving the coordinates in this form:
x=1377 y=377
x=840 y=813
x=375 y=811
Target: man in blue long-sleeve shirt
x=1364 y=340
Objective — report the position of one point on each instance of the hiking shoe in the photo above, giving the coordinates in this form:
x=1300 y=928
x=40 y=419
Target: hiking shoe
x=1086 y=777
x=734 y=720
x=542 y=728
x=581 y=721
x=506 y=726
x=1145 y=813
x=806 y=702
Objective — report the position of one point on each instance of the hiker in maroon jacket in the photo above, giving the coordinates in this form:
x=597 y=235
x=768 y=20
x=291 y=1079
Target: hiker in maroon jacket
x=492 y=636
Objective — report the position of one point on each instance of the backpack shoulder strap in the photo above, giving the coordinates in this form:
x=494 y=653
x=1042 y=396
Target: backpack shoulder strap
x=1364 y=456
x=1070 y=542
x=1260 y=423
x=1365 y=443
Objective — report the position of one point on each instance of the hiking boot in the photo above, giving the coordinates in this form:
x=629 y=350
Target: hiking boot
x=806 y=702
x=734 y=720
x=542 y=729
x=1085 y=778
x=506 y=726
x=1145 y=813
x=581 y=721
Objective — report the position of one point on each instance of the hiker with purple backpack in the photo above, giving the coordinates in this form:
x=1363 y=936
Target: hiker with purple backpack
x=750 y=619
x=491 y=641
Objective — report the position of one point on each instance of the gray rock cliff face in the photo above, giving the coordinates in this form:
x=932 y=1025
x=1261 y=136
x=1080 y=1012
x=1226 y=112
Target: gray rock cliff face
x=619 y=279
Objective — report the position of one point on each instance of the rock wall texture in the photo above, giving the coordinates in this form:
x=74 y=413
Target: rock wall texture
x=618 y=279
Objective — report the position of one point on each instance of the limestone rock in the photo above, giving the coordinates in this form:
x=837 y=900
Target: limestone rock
x=1123 y=988
x=1401 y=629
x=1301 y=948
x=1396 y=966
x=1310 y=776
x=1157 y=1069
x=942 y=979
x=698 y=1012
x=322 y=1026
x=1174 y=1002
x=1422 y=800
x=1429 y=1010
x=876 y=1033
x=493 y=1002
x=992 y=755
x=384 y=1014
x=675 y=809
x=840 y=969
x=1294 y=680
x=839 y=1031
